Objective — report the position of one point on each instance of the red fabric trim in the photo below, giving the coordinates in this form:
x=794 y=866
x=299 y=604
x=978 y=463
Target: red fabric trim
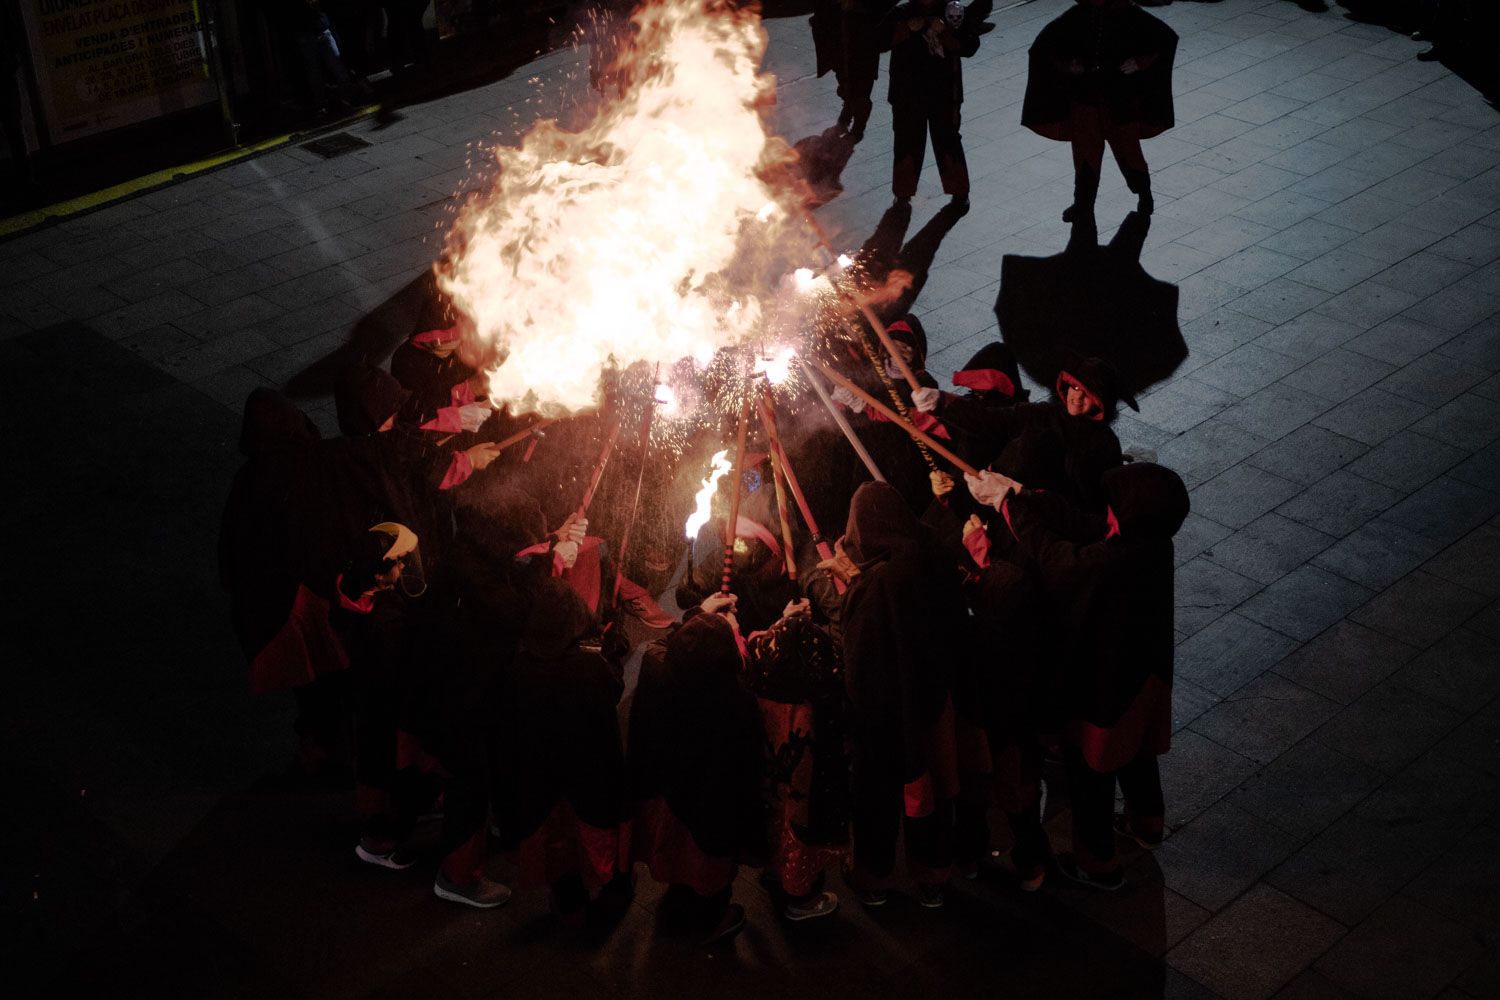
x=539 y=549
x=919 y=798
x=449 y=420
x=978 y=544
x=1113 y=522
x=747 y=528
x=668 y=849
x=462 y=394
x=565 y=845
x=1065 y=378
x=363 y=606
x=924 y=422
x=437 y=337
x=795 y=863
x=1145 y=725
x=303 y=649
x=985 y=380
x=464 y=865
x=459 y=470
x=1005 y=513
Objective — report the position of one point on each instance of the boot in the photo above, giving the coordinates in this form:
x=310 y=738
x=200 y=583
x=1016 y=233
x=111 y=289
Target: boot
x=1139 y=183
x=1085 y=189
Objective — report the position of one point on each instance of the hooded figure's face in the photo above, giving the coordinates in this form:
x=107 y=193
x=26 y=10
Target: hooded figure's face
x=1079 y=403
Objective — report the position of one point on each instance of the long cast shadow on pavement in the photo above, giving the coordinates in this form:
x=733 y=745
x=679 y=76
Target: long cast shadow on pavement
x=1091 y=301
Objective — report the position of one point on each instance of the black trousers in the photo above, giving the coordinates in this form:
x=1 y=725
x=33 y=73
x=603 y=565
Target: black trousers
x=1092 y=794
x=913 y=123
x=880 y=817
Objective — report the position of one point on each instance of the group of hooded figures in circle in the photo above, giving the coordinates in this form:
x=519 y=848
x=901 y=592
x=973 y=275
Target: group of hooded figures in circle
x=458 y=633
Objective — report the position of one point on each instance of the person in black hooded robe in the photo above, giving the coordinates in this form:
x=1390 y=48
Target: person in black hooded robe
x=903 y=630
x=1102 y=73
x=566 y=807
x=282 y=626
x=695 y=762
x=1116 y=645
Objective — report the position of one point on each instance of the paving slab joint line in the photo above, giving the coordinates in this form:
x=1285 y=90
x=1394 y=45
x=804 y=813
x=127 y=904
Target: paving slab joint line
x=25 y=222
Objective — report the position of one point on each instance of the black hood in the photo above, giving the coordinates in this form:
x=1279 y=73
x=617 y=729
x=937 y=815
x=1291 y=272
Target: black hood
x=703 y=652
x=498 y=519
x=273 y=422
x=365 y=398
x=559 y=620
x=1099 y=380
x=908 y=330
x=881 y=526
x=1149 y=500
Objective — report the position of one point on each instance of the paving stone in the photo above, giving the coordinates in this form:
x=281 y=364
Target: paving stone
x=1308 y=454
x=1338 y=375
x=1445 y=510
x=1372 y=416
x=1304 y=602
x=1198 y=772
x=1402 y=950
x=1421 y=273
x=1478 y=346
x=1390 y=726
x=1366 y=856
x=1246 y=369
x=1476 y=741
x=1311 y=985
x=1433 y=379
x=1455 y=308
x=1472 y=562
x=1376 y=554
x=1256 y=946
x=1308 y=239
x=1407 y=460
x=1269 y=547
x=1281 y=300
x=1220 y=854
x=1420 y=609
x=1189 y=701
x=1367 y=304
x=1183 y=403
x=1339 y=503
x=1241 y=494
x=1307 y=788
x=1464 y=885
x=1309 y=336
x=1205 y=591
x=1208 y=449
x=1196 y=534
x=1264 y=718
x=1470 y=422
x=1229 y=653
x=1458 y=671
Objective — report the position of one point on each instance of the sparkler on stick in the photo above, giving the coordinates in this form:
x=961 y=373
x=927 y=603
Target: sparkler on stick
x=825 y=551
x=768 y=418
x=843 y=423
x=732 y=525
x=896 y=419
x=640 y=481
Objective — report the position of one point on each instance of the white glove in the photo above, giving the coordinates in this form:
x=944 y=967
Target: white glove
x=575 y=529
x=991 y=488
x=719 y=603
x=567 y=552
x=797 y=608
x=473 y=415
x=849 y=399
x=926 y=398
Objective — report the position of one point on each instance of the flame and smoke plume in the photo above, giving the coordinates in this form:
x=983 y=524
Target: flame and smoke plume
x=661 y=230
x=704 y=500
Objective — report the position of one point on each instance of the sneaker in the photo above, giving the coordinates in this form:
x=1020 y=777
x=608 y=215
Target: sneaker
x=1027 y=881
x=1126 y=829
x=1104 y=881
x=930 y=897
x=959 y=202
x=729 y=925
x=1430 y=55
x=484 y=894
x=867 y=896
x=824 y=904
x=968 y=872
x=395 y=859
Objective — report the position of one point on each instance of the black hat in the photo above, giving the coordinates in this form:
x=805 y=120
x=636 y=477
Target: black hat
x=1149 y=500
x=993 y=368
x=365 y=398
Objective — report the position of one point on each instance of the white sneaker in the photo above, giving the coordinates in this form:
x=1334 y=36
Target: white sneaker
x=824 y=904
x=396 y=860
x=485 y=894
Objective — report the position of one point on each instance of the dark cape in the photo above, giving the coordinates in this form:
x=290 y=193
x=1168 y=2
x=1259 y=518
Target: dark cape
x=904 y=627
x=429 y=376
x=1115 y=598
x=560 y=747
x=695 y=758
x=1101 y=39
x=919 y=77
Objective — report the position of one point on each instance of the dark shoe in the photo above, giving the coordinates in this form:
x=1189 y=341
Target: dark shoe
x=824 y=904
x=1430 y=55
x=930 y=897
x=728 y=926
x=959 y=202
x=1104 y=881
x=901 y=200
x=1078 y=213
x=1126 y=829
x=482 y=894
x=395 y=858
x=649 y=612
x=1029 y=880
x=867 y=896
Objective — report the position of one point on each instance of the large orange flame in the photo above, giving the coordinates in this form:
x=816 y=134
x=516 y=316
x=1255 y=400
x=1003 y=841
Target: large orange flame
x=653 y=234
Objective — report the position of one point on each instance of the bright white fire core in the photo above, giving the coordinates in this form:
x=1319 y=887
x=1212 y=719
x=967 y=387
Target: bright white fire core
x=657 y=232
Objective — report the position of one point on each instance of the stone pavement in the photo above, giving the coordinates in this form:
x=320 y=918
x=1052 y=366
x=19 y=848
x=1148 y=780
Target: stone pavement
x=1329 y=212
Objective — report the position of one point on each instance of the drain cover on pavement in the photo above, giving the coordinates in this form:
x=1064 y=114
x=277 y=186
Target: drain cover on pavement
x=335 y=145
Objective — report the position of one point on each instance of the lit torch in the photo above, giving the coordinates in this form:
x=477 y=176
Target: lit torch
x=721 y=467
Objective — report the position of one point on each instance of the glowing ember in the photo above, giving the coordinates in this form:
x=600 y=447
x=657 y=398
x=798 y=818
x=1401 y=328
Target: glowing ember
x=705 y=498
x=776 y=367
x=845 y=261
x=665 y=396
x=650 y=235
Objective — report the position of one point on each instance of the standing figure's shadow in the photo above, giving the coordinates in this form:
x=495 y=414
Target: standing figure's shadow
x=1092 y=301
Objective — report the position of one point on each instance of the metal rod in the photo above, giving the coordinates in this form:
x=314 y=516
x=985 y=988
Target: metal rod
x=825 y=551
x=731 y=527
x=896 y=419
x=843 y=422
x=768 y=418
